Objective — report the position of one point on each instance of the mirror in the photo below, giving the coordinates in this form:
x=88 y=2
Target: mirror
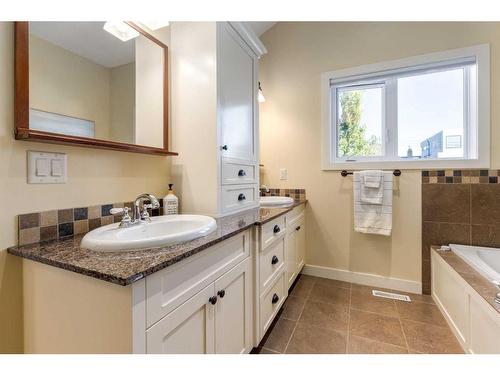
x=98 y=84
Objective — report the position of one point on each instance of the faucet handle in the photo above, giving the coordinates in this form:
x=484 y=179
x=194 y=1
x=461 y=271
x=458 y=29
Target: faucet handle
x=126 y=219
x=118 y=210
x=145 y=213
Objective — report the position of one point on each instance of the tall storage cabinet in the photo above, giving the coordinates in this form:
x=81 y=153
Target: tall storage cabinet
x=214 y=113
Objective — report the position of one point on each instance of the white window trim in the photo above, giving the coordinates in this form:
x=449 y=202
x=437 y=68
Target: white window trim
x=482 y=55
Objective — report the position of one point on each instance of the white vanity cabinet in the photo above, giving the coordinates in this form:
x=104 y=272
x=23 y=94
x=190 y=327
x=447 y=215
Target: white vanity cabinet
x=295 y=243
x=215 y=113
x=203 y=304
x=279 y=260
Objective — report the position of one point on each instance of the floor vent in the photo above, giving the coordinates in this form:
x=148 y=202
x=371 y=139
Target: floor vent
x=399 y=297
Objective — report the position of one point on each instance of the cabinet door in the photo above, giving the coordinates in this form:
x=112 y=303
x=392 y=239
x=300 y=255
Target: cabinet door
x=300 y=228
x=291 y=256
x=189 y=329
x=237 y=85
x=233 y=316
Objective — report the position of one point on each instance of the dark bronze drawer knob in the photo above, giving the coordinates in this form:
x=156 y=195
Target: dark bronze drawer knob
x=275 y=298
x=221 y=293
x=276 y=229
x=274 y=260
x=241 y=173
x=213 y=300
x=241 y=197
x=298 y=228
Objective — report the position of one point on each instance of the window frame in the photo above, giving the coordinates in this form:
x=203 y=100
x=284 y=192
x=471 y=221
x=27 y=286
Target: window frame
x=330 y=161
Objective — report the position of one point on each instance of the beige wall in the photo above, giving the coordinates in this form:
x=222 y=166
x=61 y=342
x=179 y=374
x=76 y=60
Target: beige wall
x=65 y=83
x=193 y=114
x=290 y=127
x=94 y=176
x=149 y=91
x=122 y=108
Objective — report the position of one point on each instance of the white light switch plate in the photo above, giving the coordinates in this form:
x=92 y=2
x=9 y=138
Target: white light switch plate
x=283 y=174
x=46 y=168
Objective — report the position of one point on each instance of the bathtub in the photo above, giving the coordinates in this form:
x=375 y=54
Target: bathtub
x=485 y=260
x=466 y=300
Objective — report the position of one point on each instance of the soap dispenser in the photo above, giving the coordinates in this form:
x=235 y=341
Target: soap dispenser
x=171 y=202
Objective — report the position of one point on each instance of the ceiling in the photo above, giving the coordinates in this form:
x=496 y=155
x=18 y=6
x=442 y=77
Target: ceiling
x=260 y=28
x=88 y=40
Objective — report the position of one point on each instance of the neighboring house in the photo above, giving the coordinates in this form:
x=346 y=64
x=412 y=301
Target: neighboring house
x=447 y=143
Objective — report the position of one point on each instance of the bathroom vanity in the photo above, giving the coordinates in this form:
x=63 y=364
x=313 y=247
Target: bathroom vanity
x=214 y=294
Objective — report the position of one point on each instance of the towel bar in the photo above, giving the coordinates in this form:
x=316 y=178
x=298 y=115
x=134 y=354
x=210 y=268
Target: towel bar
x=396 y=173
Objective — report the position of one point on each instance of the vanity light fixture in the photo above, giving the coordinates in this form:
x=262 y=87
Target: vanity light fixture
x=261 y=95
x=121 y=30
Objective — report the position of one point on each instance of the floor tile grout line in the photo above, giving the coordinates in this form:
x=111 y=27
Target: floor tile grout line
x=348 y=321
x=271 y=350
x=402 y=329
x=300 y=315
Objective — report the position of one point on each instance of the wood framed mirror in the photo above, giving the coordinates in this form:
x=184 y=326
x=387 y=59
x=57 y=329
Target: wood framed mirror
x=92 y=84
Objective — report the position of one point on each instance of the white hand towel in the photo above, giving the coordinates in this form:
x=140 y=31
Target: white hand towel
x=373 y=218
x=372 y=189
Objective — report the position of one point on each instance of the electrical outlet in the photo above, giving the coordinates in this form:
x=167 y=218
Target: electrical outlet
x=283 y=174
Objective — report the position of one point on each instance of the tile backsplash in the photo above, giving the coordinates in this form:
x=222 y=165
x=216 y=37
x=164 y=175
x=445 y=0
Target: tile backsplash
x=458 y=206
x=50 y=225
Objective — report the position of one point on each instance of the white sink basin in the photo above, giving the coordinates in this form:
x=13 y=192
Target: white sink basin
x=162 y=231
x=275 y=201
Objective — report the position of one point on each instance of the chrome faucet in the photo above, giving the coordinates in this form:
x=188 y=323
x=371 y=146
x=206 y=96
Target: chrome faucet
x=137 y=216
x=266 y=189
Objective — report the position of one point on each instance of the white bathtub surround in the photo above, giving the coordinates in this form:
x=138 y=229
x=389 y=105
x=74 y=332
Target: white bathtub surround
x=485 y=260
x=467 y=302
x=369 y=217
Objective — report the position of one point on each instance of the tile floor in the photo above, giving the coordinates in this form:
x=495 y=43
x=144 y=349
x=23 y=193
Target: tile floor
x=329 y=316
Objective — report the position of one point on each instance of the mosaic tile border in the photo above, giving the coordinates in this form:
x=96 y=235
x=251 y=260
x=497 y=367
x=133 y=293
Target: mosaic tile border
x=50 y=225
x=296 y=194
x=461 y=176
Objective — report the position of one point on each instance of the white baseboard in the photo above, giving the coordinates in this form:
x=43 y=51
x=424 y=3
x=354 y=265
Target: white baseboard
x=363 y=278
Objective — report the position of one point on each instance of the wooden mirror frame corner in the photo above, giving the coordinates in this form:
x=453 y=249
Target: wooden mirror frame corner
x=22 y=130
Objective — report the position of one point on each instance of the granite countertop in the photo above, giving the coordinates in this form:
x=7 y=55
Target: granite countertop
x=480 y=284
x=127 y=267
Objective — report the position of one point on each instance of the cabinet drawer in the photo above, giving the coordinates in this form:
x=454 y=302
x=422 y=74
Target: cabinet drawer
x=169 y=288
x=237 y=173
x=271 y=262
x=238 y=197
x=271 y=231
x=271 y=302
x=295 y=213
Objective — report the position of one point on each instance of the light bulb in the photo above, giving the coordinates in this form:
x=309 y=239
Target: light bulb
x=121 y=30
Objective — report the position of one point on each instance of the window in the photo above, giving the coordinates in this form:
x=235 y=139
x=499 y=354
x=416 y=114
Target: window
x=422 y=112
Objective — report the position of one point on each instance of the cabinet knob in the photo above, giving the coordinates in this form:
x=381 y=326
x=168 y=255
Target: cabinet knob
x=213 y=300
x=221 y=293
x=275 y=298
x=241 y=173
x=276 y=229
x=241 y=197
x=274 y=260
x=298 y=228
x=224 y=147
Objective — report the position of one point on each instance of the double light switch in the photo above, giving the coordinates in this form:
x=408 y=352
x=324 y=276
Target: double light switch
x=46 y=168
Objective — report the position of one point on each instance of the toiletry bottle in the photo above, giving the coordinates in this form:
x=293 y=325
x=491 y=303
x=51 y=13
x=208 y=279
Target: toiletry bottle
x=170 y=202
